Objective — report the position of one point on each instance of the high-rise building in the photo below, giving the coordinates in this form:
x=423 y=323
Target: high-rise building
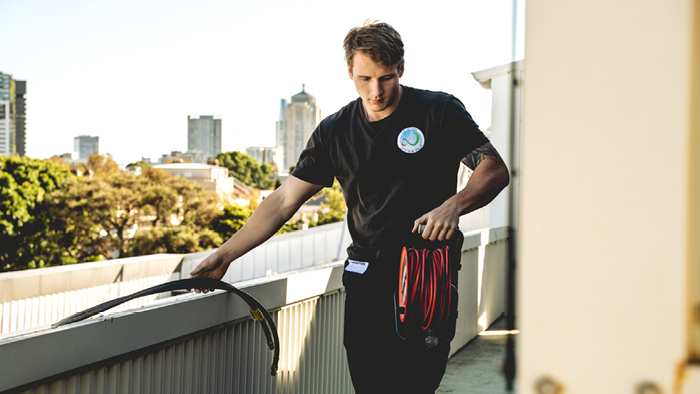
x=273 y=156
x=6 y=132
x=12 y=115
x=21 y=106
x=204 y=134
x=85 y=145
x=300 y=119
x=281 y=131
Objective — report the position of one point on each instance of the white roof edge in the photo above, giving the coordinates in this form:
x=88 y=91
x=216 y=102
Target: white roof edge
x=484 y=76
x=185 y=165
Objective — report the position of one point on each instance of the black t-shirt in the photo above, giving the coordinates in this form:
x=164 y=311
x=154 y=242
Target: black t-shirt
x=395 y=170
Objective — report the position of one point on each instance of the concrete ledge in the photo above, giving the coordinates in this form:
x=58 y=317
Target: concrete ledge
x=63 y=349
x=474 y=239
x=41 y=353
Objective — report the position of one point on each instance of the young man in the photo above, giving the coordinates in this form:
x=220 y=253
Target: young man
x=396 y=152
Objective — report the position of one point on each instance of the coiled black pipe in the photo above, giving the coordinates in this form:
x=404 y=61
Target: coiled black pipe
x=257 y=310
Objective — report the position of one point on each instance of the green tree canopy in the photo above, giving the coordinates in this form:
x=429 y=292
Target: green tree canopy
x=139 y=164
x=24 y=186
x=100 y=215
x=230 y=220
x=247 y=170
x=103 y=166
x=50 y=217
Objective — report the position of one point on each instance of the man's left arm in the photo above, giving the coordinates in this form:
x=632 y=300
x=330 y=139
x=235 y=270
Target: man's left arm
x=489 y=178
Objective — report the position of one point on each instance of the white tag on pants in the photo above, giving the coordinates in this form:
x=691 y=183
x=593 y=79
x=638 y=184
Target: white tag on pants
x=357 y=266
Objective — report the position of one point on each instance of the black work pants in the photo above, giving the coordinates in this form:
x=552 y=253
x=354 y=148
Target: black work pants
x=379 y=360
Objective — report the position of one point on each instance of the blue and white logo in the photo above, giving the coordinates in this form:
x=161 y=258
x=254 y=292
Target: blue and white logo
x=411 y=140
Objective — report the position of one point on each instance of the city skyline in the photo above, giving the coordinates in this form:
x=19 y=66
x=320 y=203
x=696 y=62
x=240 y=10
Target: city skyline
x=137 y=69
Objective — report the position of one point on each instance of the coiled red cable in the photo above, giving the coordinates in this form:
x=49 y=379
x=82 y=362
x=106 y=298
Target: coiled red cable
x=425 y=282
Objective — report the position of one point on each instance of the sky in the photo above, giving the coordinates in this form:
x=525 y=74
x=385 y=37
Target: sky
x=131 y=71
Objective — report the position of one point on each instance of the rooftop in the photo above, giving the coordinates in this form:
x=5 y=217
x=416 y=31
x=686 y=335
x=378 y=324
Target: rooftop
x=186 y=166
x=303 y=96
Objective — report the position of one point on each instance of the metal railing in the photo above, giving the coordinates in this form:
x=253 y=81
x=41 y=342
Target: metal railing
x=209 y=344
x=35 y=298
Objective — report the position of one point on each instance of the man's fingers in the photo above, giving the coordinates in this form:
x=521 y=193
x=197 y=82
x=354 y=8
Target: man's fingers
x=198 y=269
x=438 y=232
x=451 y=233
x=418 y=222
x=427 y=228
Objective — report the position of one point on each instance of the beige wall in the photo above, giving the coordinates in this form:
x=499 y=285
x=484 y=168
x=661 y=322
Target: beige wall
x=606 y=177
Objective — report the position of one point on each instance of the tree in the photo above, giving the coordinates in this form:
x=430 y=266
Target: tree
x=247 y=170
x=230 y=220
x=50 y=217
x=103 y=166
x=96 y=217
x=263 y=179
x=139 y=164
x=335 y=202
x=76 y=212
x=336 y=199
x=59 y=161
x=175 y=240
x=24 y=224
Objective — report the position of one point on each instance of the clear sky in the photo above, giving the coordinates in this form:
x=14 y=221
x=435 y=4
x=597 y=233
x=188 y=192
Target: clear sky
x=130 y=71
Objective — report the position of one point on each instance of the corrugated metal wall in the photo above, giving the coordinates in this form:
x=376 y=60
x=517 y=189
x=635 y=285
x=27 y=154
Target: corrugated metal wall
x=219 y=349
x=231 y=359
x=283 y=253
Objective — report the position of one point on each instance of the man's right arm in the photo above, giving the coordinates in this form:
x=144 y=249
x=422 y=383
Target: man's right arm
x=272 y=213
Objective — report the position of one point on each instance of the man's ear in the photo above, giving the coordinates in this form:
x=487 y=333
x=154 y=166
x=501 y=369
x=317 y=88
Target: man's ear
x=350 y=71
x=401 y=69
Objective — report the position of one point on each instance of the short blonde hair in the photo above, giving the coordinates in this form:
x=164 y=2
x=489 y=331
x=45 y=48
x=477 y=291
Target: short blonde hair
x=376 y=40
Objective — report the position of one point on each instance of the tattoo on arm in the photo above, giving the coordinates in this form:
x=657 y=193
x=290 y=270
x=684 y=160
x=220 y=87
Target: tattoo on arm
x=484 y=152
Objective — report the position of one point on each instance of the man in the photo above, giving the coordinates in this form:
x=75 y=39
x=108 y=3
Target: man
x=396 y=152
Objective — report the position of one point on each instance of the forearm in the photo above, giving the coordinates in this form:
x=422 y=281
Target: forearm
x=488 y=179
x=270 y=215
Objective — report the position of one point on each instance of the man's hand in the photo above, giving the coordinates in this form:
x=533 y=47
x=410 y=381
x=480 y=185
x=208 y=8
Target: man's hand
x=490 y=176
x=441 y=222
x=211 y=266
x=270 y=215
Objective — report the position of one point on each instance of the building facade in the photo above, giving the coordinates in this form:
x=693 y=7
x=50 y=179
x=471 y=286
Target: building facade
x=281 y=134
x=274 y=156
x=85 y=145
x=20 y=118
x=204 y=134
x=191 y=156
x=6 y=129
x=12 y=115
x=301 y=117
x=213 y=179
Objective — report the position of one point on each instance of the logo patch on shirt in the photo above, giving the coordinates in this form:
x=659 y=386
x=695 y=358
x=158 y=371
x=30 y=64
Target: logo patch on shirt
x=410 y=140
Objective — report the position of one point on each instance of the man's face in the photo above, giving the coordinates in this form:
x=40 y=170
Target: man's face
x=377 y=85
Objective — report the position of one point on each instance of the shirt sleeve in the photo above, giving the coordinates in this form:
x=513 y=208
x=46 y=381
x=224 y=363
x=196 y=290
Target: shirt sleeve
x=314 y=165
x=463 y=134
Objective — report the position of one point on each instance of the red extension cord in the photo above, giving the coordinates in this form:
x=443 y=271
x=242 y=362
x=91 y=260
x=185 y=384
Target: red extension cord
x=425 y=281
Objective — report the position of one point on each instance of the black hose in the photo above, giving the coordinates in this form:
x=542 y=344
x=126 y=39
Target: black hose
x=257 y=310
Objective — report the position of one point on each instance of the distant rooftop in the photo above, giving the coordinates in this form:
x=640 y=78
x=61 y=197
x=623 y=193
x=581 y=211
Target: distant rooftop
x=303 y=96
x=203 y=116
x=185 y=166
